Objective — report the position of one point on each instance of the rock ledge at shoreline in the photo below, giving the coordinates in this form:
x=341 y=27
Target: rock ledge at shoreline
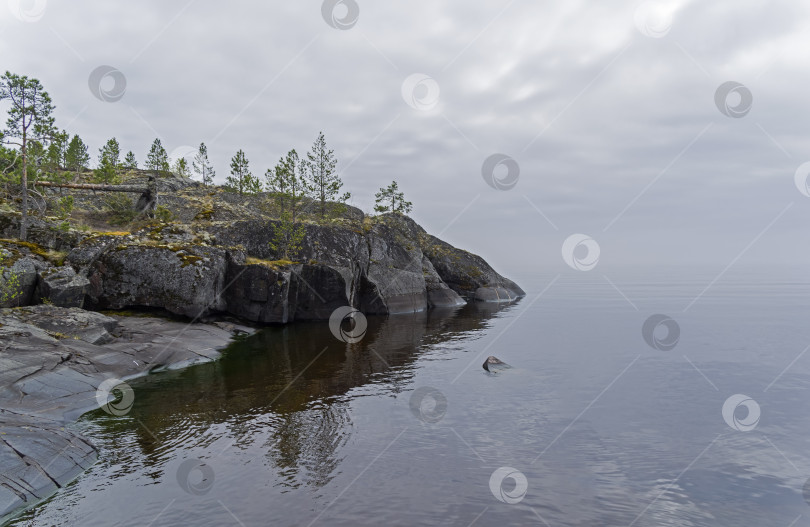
x=53 y=361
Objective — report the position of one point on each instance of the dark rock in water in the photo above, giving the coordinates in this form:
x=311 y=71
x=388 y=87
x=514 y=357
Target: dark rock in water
x=495 y=364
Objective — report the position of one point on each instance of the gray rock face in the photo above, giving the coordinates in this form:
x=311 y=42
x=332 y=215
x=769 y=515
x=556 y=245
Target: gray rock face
x=62 y=287
x=38 y=457
x=386 y=267
x=384 y=270
x=186 y=280
x=84 y=254
x=52 y=362
x=40 y=231
x=257 y=292
x=468 y=274
x=260 y=293
x=75 y=323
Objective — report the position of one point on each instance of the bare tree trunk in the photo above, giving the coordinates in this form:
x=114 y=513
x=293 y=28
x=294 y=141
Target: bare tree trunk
x=24 y=222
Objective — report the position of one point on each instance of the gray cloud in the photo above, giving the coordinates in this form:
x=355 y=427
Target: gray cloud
x=592 y=110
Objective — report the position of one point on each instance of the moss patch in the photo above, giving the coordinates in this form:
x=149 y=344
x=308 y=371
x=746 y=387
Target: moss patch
x=55 y=257
x=272 y=264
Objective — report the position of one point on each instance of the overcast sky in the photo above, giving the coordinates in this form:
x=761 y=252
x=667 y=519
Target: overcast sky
x=610 y=111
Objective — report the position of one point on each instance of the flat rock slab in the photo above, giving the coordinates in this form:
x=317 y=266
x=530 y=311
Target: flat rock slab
x=52 y=362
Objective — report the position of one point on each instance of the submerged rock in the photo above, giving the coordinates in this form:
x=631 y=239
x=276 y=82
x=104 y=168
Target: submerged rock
x=494 y=364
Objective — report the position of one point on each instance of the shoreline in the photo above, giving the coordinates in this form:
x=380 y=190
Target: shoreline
x=52 y=363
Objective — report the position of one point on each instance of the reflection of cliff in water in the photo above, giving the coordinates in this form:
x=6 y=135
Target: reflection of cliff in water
x=286 y=388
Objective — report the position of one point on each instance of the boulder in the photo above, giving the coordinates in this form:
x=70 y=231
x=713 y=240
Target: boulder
x=62 y=287
x=187 y=280
x=83 y=255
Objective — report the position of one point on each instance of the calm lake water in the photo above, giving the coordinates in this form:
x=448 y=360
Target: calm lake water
x=591 y=425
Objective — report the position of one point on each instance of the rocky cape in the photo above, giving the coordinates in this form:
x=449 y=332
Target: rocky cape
x=216 y=258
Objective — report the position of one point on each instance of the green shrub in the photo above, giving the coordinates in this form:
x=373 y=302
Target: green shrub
x=10 y=289
x=163 y=214
x=119 y=208
x=63 y=207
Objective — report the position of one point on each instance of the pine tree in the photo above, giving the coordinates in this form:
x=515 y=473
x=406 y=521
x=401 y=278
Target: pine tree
x=286 y=182
x=55 y=156
x=202 y=166
x=157 y=158
x=241 y=180
x=76 y=157
x=111 y=151
x=288 y=186
x=390 y=199
x=322 y=180
x=287 y=237
x=29 y=119
x=9 y=168
x=36 y=156
x=108 y=162
x=129 y=160
x=181 y=167
x=54 y=165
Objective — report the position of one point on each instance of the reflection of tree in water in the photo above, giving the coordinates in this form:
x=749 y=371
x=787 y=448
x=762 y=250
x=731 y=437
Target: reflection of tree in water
x=284 y=388
x=304 y=447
